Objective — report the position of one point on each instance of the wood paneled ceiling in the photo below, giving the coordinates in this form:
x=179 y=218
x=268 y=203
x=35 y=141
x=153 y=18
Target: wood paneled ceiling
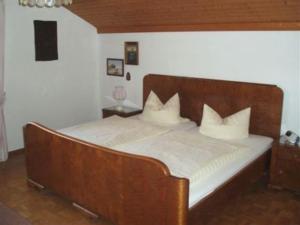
x=110 y=16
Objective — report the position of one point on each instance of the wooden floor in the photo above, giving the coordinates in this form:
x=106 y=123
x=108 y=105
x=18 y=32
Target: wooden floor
x=259 y=206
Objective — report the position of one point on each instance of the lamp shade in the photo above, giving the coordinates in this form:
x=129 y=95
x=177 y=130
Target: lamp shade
x=119 y=93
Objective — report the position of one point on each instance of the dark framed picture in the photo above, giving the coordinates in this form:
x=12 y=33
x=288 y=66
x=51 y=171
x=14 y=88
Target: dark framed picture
x=132 y=53
x=115 y=67
x=45 y=40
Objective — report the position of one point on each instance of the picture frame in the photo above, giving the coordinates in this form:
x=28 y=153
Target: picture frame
x=115 y=67
x=45 y=40
x=131 y=50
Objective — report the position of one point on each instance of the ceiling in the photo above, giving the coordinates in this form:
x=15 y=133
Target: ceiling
x=110 y=16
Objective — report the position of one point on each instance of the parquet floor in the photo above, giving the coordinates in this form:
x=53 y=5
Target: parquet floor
x=258 y=206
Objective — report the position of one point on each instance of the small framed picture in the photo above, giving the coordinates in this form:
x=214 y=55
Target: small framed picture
x=132 y=53
x=115 y=67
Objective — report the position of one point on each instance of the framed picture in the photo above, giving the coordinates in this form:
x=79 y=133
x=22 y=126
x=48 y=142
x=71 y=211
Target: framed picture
x=132 y=53
x=115 y=67
x=45 y=40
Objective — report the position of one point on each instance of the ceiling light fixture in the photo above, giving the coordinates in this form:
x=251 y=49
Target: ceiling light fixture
x=45 y=3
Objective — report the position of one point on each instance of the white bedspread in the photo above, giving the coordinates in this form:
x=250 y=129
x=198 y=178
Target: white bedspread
x=187 y=154
x=116 y=130
x=257 y=145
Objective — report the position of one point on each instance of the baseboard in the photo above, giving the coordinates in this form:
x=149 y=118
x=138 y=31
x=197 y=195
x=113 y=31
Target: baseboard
x=16 y=152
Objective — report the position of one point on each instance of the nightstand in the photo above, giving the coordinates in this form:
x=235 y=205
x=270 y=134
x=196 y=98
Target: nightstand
x=285 y=167
x=126 y=111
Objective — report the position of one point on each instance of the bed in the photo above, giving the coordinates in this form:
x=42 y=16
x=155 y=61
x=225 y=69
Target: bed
x=130 y=189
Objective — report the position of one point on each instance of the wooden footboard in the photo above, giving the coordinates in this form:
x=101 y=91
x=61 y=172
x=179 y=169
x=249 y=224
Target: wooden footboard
x=124 y=188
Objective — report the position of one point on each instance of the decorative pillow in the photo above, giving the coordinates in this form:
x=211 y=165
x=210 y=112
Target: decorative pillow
x=156 y=111
x=235 y=126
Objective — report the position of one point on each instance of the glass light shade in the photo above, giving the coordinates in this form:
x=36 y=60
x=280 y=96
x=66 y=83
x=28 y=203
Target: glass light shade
x=40 y=3
x=50 y=3
x=45 y=3
x=119 y=94
x=31 y=3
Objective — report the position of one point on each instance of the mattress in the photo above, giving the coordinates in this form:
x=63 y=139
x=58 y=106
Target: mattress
x=206 y=162
x=116 y=130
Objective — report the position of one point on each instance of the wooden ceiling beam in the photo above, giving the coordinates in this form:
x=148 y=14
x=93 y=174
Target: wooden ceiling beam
x=288 y=26
x=111 y=16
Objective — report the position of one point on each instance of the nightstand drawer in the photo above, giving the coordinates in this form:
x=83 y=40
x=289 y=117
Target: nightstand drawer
x=125 y=112
x=287 y=175
x=287 y=154
x=285 y=167
x=111 y=113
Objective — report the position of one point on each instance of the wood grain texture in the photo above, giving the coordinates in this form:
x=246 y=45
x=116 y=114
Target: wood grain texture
x=226 y=97
x=10 y=217
x=126 y=189
x=39 y=207
x=285 y=167
x=132 y=190
x=257 y=206
x=189 y=15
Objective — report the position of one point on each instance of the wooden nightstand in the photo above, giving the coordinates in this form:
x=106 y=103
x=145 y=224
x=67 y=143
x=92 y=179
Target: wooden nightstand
x=285 y=167
x=126 y=112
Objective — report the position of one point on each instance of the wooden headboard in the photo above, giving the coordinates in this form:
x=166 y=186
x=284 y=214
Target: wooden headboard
x=226 y=97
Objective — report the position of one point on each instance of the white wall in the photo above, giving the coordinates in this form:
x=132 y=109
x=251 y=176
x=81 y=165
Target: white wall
x=2 y=37
x=55 y=93
x=262 y=57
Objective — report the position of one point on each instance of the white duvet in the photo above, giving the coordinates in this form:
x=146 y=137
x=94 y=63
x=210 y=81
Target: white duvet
x=187 y=154
x=116 y=130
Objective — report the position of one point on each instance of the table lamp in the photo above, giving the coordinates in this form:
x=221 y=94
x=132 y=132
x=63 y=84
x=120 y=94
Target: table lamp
x=119 y=94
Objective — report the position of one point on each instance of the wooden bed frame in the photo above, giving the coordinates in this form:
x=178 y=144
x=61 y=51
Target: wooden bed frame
x=136 y=190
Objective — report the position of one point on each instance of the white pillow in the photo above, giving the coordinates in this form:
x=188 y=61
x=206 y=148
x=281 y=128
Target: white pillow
x=156 y=111
x=235 y=126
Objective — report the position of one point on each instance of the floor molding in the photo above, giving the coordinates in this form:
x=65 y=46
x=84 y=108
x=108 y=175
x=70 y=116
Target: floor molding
x=16 y=152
